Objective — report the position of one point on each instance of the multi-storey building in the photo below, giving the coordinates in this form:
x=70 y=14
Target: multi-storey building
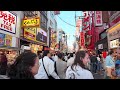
x=52 y=28
x=113 y=33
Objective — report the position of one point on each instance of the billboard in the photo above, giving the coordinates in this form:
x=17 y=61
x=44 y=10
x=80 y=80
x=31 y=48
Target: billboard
x=30 y=33
x=8 y=40
x=8 y=21
x=31 y=22
x=2 y=39
x=41 y=35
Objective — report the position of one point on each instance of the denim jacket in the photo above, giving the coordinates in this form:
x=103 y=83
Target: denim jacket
x=109 y=61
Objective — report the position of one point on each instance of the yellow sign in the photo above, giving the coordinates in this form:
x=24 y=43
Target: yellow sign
x=30 y=33
x=8 y=40
x=31 y=22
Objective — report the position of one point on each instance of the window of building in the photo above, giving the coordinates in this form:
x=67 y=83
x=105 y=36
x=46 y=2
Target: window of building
x=43 y=21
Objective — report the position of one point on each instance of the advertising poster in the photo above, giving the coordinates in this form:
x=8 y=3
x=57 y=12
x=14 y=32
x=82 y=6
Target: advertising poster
x=8 y=40
x=30 y=33
x=41 y=36
x=2 y=39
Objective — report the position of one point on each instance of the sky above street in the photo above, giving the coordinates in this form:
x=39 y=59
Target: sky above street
x=69 y=17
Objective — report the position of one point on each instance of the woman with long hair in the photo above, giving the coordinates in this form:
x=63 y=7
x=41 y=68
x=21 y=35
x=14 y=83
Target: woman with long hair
x=79 y=70
x=25 y=66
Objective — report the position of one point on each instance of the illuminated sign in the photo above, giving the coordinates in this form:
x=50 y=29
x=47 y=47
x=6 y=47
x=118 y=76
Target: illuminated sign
x=31 y=22
x=30 y=33
x=8 y=21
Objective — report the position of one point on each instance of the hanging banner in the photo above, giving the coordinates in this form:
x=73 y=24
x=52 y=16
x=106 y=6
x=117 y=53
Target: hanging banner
x=30 y=33
x=31 y=22
x=2 y=39
x=98 y=18
x=8 y=21
x=8 y=40
x=82 y=39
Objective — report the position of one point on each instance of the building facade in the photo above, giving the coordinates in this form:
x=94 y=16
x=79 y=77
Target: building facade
x=52 y=29
x=113 y=33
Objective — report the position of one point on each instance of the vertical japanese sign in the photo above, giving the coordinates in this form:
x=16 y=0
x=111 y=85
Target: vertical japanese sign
x=8 y=40
x=86 y=21
x=98 y=18
x=82 y=39
x=2 y=39
x=8 y=21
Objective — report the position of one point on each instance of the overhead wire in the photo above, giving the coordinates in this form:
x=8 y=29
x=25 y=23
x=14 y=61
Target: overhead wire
x=66 y=22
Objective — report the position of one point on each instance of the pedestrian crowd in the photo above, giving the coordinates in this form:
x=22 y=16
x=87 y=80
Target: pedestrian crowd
x=58 y=65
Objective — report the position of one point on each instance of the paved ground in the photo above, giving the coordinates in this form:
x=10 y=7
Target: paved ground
x=98 y=76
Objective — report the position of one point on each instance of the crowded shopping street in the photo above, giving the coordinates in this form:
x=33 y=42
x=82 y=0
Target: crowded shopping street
x=59 y=45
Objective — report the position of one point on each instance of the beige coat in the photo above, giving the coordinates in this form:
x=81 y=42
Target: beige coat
x=61 y=68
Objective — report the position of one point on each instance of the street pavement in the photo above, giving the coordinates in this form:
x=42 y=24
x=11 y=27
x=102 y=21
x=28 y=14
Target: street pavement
x=98 y=76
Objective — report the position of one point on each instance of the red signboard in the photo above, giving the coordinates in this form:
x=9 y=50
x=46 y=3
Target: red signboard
x=82 y=39
x=98 y=18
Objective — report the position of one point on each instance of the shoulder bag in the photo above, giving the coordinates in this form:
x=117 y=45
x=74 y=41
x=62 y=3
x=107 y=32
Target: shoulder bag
x=49 y=76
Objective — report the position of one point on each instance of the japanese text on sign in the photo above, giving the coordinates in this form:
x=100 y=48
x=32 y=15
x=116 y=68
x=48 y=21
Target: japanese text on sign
x=8 y=21
x=30 y=33
x=31 y=22
x=82 y=39
x=98 y=18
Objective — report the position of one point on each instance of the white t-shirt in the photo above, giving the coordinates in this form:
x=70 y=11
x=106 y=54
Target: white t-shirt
x=98 y=59
x=49 y=66
x=78 y=73
x=70 y=61
x=66 y=58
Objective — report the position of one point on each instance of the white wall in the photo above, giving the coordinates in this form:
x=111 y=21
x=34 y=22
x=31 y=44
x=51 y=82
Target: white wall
x=18 y=27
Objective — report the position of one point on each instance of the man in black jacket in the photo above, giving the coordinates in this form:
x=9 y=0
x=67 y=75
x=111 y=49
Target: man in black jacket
x=94 y=62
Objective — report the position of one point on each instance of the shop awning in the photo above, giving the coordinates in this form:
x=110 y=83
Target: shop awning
x=34 y=42
x=114 y=27
x=9 y=48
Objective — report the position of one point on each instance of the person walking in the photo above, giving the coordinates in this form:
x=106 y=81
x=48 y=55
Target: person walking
x=94 y=62
x=70 y=61
x=3 y=66
x=61 y=66
x=46 y=69
x=78 y=69
x=99 y=64
x=25 y=66
x=109 y=65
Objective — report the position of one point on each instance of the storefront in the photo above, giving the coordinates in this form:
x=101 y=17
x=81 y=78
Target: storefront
x=113 y=35
x=101 y=45
x=33 y=37
x=9 y=35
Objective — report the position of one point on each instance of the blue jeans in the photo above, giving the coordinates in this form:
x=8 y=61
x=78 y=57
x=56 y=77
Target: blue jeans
x=99 y=66
x=93 y=67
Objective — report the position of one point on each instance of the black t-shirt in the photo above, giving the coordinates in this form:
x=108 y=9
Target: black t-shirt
x=93 y=59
